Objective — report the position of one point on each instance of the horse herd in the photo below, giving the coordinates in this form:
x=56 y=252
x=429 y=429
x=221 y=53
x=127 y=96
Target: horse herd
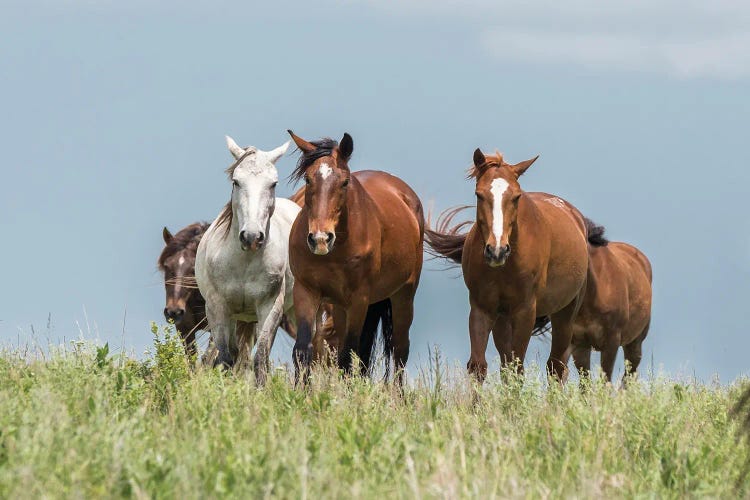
x=344 y=255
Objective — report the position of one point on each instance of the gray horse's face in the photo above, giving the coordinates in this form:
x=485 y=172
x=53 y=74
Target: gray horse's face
x=254 y=182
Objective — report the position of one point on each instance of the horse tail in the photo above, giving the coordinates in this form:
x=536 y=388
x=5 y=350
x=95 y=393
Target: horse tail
x=595 y=234
x=377 y=313
x=542 y=326
x=447 y=240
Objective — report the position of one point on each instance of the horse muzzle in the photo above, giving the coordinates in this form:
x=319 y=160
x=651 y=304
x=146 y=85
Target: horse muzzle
x=252 y=240
x=174 y=313
x=496 y=256
x=320 y=243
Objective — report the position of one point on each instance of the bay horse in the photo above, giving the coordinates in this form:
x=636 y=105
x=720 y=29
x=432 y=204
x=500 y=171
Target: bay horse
x=616 y=309
x=526 y=256
x=242 y=264
x=356 y=244
x=185 y=305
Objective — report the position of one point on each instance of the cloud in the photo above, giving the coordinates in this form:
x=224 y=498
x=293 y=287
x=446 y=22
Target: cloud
x=682 y=38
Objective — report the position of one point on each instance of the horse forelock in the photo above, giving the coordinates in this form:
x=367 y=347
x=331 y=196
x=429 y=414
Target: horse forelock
x=248 y=152
x=323 y=148
x=186 y=239
x=496 y=160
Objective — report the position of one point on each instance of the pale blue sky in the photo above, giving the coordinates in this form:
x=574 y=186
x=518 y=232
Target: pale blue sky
x=113 y=117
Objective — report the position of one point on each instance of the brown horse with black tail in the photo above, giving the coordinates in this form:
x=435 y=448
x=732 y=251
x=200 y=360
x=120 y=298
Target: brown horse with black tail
x=525 y=257
x=357 y=244
x=616 y=310
x=185 y=305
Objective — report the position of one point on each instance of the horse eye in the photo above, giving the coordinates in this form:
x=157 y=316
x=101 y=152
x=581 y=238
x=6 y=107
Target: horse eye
x=274 y=184
x=307 y=181
x=346 y=183
x=479 y=196
x=235 y=183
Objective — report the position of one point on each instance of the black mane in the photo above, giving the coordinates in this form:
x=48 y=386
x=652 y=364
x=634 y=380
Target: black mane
x=324 y=147
x=186 y=237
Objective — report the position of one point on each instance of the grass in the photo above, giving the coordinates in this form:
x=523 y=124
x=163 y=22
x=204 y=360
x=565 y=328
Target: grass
x=82 y=423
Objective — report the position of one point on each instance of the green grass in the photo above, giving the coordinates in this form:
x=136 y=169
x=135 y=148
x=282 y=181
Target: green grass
x=82 y=423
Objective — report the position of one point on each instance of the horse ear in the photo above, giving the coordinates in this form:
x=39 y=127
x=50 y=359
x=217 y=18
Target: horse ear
x=302 y=144
x=346 y=146
x=520 y=168
x=234 y=148
x=166 y=235
x=278 y=152
x=479 y=159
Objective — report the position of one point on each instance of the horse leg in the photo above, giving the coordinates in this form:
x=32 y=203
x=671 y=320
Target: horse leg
x=582 y=359
x=306 y=304
x=609 y=356
x=480 y=324
x=244 y=337
x=562 y=334
x=402 y=307
x=269 y=318
x=502 y=335
x=633 y=354
x=288 y=326
x=350 y=320
x=522 y=324
x=222 y=331
x=368 y=341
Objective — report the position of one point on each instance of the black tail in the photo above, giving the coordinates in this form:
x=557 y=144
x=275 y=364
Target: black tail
x=595 y=234
x=542 y=326
x=380 y=312
x=447 y=241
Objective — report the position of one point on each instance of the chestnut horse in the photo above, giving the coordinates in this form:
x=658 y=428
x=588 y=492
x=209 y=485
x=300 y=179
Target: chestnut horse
x=357 y=244
x=526 y=256
x=616 y=310
x=185 y=304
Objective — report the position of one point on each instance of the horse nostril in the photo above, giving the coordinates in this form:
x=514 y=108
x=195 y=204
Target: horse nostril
x=487 y=250
x=329 y=237
x=166 y=313
x=261 y=237
x=243 y=236
x=311 y=239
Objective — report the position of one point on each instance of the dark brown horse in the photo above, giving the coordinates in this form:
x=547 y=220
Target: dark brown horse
x=616 y=310
x=526 y=256
x=185 y=305
x=357 y=244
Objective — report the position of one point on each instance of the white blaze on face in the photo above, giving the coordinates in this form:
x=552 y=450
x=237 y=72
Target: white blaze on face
x=324 y=170
x=181 y=261
x=498 y=188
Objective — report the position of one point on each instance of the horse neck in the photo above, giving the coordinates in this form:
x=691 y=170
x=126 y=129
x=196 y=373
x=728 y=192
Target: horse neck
x=526 y=225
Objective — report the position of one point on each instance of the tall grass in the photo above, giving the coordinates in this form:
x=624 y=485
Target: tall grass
x=83 y=423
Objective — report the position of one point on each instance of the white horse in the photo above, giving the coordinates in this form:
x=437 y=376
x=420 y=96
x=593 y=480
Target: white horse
x=242 y=265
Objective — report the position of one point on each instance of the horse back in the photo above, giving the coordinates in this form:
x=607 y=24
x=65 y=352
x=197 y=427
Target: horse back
x=557 y=230
x=392 y=196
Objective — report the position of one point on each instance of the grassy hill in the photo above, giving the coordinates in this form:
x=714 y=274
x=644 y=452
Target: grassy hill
x=81 y=423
